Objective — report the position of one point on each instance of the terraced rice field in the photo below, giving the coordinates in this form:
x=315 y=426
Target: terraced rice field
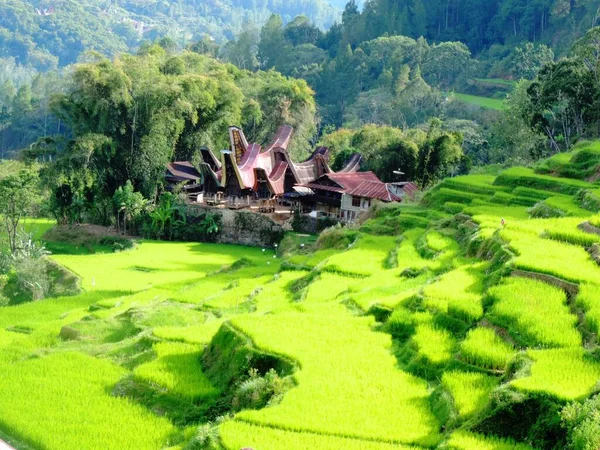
x=400 y=341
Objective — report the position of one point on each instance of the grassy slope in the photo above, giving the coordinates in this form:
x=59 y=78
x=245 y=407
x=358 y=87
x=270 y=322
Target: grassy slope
x=451 y=325
x=484 y=102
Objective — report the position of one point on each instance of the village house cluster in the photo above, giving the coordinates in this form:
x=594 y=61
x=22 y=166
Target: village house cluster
x=249 y=176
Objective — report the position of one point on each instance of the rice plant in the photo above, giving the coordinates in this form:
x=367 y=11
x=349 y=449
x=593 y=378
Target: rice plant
x=524 y=177
x=62 y=401
x=341 y=358
x=589 y=300
x=388 y=291
x=236 y=434
x=565 y=373
x=435 y=345
x=462 y=440
x=551 y=257
x=469 y=390
x=457 y=292
x=366 y=257
x=484 y=348
x=177 y=368
x=535 y=313
x=199 y=334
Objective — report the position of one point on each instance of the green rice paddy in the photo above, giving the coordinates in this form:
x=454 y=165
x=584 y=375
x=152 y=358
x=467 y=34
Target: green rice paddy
x=403 y=340
x=483 y=102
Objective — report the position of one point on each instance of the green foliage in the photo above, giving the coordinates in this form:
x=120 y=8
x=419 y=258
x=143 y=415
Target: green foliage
x=583 y=424
x=18 y=196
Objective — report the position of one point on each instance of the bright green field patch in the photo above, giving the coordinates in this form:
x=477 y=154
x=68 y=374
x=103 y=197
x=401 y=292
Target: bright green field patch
x=236 y=434
x=328 y=287
x=469 y=390
x=589 y=299
x=408 y=256
x=44 y=401
x=313 y=259
x=341 y=359
x=386 y=289
x=163 y=263
x=458 y=292
x=484 y=348
x=535 y=313
x=462 y=440
x=438 y=242
x=524 y=177
x=564 y=373
x=483 y=102
x=434 y=344
x=567 y=205
x=365 y=258
x=276 y=295
x=199 y=335
x=177 y=368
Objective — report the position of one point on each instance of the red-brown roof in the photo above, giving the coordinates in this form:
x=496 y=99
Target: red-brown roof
x=375 y=190
x=351 y=180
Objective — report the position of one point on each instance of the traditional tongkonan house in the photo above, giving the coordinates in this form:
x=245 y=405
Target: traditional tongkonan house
x=246 y=173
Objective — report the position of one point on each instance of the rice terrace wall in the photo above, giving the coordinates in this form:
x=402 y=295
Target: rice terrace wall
x=243 y=227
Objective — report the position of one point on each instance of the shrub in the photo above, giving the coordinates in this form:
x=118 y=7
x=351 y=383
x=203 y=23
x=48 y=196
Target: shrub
x=257 y=391
x=29 y=279
x=583 y=424
x=542 y=210
x=337 y=237
x=589 y=199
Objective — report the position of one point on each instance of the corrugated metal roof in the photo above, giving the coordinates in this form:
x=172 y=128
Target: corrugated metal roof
x=375 y=190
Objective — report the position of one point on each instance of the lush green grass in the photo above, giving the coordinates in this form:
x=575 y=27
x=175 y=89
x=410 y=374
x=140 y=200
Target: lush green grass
x=469 y=390
x=435 y=345
x=458 y=292
x=484 y=348
x=564 y=373
x=535 y=313
x=550 y=257
x=386 y=289
x=462 y=440
x=237 y=434
x=589 y=300
x=157 y=263
x=341 y=359
x=44 y=401
x=366 y=257
x=177 y=368
x=483 y=102
x=147 y=314
x=524 y=177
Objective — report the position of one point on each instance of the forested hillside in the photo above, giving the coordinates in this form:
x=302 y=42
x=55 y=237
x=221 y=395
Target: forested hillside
x=479 y=24
x=51 y=33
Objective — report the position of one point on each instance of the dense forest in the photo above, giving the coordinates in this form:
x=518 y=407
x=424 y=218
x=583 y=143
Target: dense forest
x=46 y=34
x=480 y=25
x=364 y=70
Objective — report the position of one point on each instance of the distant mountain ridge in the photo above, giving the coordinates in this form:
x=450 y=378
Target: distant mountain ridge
x=50 y=33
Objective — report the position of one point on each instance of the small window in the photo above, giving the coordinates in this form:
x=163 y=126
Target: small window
x=356 y=202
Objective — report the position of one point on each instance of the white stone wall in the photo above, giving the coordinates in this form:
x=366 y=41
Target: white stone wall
x=349 y=212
